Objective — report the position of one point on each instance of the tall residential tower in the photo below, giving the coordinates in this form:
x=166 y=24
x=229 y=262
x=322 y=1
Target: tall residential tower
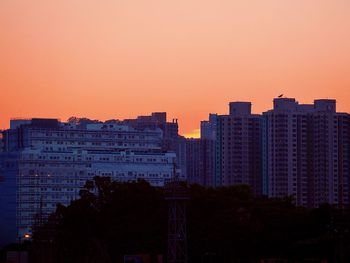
x=238 y=148
x=306 y=152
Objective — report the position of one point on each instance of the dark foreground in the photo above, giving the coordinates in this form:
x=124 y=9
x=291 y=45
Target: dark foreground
x=224 y=225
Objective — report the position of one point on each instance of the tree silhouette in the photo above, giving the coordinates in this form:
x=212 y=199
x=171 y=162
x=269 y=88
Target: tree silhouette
x=114 y=219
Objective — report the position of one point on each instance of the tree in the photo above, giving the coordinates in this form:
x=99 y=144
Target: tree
x=113 y=219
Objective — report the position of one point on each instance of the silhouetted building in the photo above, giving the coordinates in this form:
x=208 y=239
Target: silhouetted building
x=329 y=172
x=208 y=128
x=181 y=156
x=200 y=154
x=238 y=148
x=200 y=161
x=306 y=152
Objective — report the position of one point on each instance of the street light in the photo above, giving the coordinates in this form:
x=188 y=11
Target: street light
x=26 y=236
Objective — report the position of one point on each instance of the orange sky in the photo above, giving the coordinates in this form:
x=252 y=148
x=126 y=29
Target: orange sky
x=123 y=58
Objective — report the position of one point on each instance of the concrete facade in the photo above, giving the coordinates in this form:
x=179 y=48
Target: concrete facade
x=46 y=162
x=306 y=152
x=238 y=148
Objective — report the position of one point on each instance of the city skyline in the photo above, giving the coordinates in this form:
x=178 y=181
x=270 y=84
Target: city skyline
x=174 y=131
x=293 y=149
x=195 y=133
x=121 y=59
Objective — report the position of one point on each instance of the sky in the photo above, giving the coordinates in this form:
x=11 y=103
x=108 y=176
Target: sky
x=122 y=58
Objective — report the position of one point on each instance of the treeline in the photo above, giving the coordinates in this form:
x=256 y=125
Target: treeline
x=114 y=219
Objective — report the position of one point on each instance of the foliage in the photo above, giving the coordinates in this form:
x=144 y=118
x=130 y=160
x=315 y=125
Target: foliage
x=224 y=225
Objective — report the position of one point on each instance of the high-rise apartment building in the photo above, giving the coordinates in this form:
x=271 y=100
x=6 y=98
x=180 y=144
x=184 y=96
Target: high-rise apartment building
x=208 y=128
x=200 y=161
x=298 y=150
x=330 y=148
x=306 y=152
x=181 y=157
x=286 y=145
x=46 y=162
x=238 y=148
x=200 y=154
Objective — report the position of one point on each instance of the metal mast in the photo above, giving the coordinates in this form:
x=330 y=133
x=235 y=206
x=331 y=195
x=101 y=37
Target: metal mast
x=176 y=193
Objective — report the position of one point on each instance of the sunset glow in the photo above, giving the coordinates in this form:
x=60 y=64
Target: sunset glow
x=121 y=59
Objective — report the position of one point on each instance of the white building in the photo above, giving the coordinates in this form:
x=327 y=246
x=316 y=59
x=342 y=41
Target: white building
x=51 y=161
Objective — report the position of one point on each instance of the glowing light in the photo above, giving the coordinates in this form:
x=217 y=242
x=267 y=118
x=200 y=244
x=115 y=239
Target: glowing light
x=195 y=134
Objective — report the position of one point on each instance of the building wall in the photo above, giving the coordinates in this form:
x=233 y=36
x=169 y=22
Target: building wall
x=181 y=156
x=306 y=152
x=329 y=180
x=8 y=201
x=154 y=121
x=51 y=161
x=287 y=152
x=208 y=128
x=200 y=161
x=239 y=148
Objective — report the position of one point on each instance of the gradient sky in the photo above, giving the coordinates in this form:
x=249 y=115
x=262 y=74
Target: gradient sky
x=119 y=59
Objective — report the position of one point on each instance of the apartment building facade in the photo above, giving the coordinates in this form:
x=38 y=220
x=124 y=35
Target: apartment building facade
x=306 y=152
x=46 y=162
x=238 y=148
x=200 y=161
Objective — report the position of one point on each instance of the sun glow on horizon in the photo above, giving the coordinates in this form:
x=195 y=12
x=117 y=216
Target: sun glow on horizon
x=195 y=134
